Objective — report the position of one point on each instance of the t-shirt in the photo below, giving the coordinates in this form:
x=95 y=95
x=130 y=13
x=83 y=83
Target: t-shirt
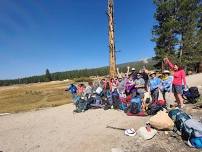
x=139 y=81
x=179 y=76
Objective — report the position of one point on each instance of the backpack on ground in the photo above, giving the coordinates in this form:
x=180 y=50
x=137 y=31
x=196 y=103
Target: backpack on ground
x=115 y=99
x=81 y=106
x=179 y=117
x=195 y=142
x=156 y=106
x=135 y=105
x=191 y=95
x=192 y=128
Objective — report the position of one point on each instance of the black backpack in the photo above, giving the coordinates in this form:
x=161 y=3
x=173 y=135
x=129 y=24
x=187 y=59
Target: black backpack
x=153 y=108
x=191 y=95
x=194 y=91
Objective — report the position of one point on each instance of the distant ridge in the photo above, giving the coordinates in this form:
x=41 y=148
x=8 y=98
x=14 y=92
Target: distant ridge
x=101 y=71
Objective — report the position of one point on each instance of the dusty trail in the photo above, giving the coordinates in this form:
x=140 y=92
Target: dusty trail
x=59 y=130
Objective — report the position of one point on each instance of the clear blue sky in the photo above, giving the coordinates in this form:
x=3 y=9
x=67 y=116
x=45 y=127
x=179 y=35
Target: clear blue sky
x=70 y=34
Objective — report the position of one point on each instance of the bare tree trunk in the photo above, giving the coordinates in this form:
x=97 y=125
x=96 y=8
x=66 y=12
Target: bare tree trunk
x=200 y=67
x=112 y=57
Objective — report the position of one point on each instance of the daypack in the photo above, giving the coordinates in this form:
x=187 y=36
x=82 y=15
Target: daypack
x=179 y=117
x=123 y=106
x=156 y=106
x=81 y=106
x=135 y=106
x=115 y=99
x=191 y=94
x=192 y=128
x=196 y=142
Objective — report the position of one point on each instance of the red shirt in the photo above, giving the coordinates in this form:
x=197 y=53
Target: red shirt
x=178 y=76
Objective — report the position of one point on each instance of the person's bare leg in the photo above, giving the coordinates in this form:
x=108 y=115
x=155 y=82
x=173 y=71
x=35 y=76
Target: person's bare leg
x=181 y=100
x=177 y=99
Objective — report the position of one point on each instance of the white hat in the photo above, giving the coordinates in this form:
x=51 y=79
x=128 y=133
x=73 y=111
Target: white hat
x=166 y=71
x=133 y=69
x=130 y=132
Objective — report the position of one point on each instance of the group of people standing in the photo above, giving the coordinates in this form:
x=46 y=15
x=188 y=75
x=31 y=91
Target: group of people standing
x=136 y=83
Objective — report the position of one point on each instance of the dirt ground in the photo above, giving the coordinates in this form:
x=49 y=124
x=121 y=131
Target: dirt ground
x=58 y=129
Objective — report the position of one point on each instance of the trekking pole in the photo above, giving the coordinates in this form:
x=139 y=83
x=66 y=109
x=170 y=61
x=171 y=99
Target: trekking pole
x=115 y=128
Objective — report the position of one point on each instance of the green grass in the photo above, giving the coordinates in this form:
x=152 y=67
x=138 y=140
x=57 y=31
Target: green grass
x=33 y=96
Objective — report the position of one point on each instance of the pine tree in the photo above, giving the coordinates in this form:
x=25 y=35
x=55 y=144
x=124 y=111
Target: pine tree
x=48 y=75
x=164 y=31
x=178 y=32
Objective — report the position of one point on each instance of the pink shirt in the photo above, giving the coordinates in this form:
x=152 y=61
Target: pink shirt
x=178 y=76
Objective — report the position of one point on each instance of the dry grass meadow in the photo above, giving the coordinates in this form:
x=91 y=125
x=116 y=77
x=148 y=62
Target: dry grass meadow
x=33 y=96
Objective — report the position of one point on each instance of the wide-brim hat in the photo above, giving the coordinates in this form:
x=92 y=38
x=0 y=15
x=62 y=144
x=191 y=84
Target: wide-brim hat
x=166 y=72
x=152 y=72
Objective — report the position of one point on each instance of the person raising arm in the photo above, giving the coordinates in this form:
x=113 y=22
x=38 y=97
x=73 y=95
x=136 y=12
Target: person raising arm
x=179 y=80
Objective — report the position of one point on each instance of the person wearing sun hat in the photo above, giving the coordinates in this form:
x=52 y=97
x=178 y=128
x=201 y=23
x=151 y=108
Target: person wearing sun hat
x=166 y=84
x=154 y=85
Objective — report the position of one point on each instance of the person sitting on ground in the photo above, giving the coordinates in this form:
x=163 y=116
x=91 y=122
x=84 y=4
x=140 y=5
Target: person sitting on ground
x=135 y=106
x=140 y=85
x=166 y=83
x=179 y=81
x=80 y=89
x=89 y=90
x=154 y=85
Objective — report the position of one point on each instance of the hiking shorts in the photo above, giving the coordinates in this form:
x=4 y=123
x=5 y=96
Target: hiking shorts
x=177 y=89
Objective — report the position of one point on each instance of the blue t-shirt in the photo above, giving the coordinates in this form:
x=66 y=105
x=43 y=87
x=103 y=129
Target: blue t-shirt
x=154 y=83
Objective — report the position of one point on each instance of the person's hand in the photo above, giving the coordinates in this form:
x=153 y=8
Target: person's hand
x=128 y=67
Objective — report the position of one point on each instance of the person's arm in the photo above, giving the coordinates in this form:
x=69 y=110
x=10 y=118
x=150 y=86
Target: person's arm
x=159 y=82
x=128 y=70
x=170 y=64
x=119 y=75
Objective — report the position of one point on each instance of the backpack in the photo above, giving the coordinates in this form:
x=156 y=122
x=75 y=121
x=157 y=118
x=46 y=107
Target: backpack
x=154 y=108
x=179 y=117
x=192 y=128
x=196 y=142
x=81 y=106
x=115 y=99
x=135 y=106
x=191 y=95
x=195 y=92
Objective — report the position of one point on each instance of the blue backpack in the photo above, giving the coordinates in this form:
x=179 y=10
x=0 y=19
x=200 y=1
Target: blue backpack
x=196 y=142
x=192 y=128
x=179 y=117
x=136 y=104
